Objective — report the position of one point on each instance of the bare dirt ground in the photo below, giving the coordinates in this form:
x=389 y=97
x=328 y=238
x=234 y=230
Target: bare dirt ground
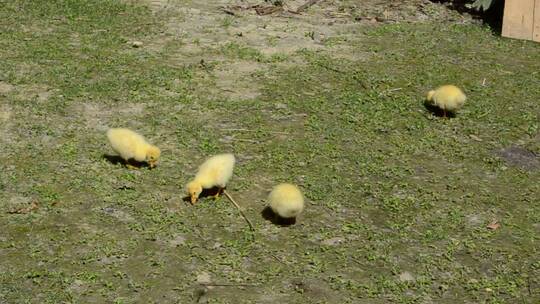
x=193 y=28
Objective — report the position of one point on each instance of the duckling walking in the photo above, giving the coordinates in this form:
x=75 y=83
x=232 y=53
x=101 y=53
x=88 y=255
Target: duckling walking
x=448 y=98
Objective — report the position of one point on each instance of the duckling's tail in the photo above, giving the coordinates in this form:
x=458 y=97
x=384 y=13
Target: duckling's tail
x=430 y=95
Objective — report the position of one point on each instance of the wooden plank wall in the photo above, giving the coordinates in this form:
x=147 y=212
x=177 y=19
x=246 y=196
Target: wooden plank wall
x=536 y=21
x=522 y=19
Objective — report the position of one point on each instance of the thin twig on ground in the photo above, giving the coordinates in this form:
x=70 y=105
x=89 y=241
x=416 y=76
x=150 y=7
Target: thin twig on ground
x=389 y=91
x=247 y=130
x=228 y=11
x=305 y=6
x=239 y=209
x=247 y=140
x=228 y=284
x=277 y=259
x=33 y=206
x=267 y=10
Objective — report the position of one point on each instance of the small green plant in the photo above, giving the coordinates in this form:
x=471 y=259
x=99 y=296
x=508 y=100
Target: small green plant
x=227 y=21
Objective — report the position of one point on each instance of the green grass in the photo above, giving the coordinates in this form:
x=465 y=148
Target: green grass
x=390 y=188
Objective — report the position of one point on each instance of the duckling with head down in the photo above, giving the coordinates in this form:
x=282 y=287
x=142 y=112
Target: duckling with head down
x=286 y=201
x=448 y=98
x=214 y=172
x=132 y=146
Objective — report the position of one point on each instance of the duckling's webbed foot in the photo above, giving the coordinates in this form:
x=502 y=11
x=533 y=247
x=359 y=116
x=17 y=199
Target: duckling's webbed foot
x=218 y=193
x=130 y=166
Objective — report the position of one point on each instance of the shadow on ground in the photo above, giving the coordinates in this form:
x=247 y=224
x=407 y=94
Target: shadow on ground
x=438 y=111
x=204 y=194
x=493 y=17
x=275 y=219
x=115 y=160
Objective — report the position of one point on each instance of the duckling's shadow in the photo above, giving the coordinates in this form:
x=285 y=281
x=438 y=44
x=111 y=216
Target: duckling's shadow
x=205 y=193
x=438 y=111
x=275 y=219
x=115 y=160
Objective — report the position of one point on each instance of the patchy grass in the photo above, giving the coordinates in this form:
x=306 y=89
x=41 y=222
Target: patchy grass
x=398 y=199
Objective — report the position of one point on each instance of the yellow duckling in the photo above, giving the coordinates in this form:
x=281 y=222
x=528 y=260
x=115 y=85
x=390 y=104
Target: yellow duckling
x=214 y=172
x=132 y=146
x=286 y=200
x=448 y=98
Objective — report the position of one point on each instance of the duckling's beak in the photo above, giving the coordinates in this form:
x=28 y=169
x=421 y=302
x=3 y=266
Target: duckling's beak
x=193 y=199
x=152 y=164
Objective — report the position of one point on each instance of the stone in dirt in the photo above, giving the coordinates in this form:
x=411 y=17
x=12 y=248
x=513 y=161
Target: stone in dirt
x=406 y=277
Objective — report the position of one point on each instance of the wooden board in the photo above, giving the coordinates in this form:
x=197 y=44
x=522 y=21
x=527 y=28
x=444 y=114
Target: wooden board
x=536 y=22
x=518 y=20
